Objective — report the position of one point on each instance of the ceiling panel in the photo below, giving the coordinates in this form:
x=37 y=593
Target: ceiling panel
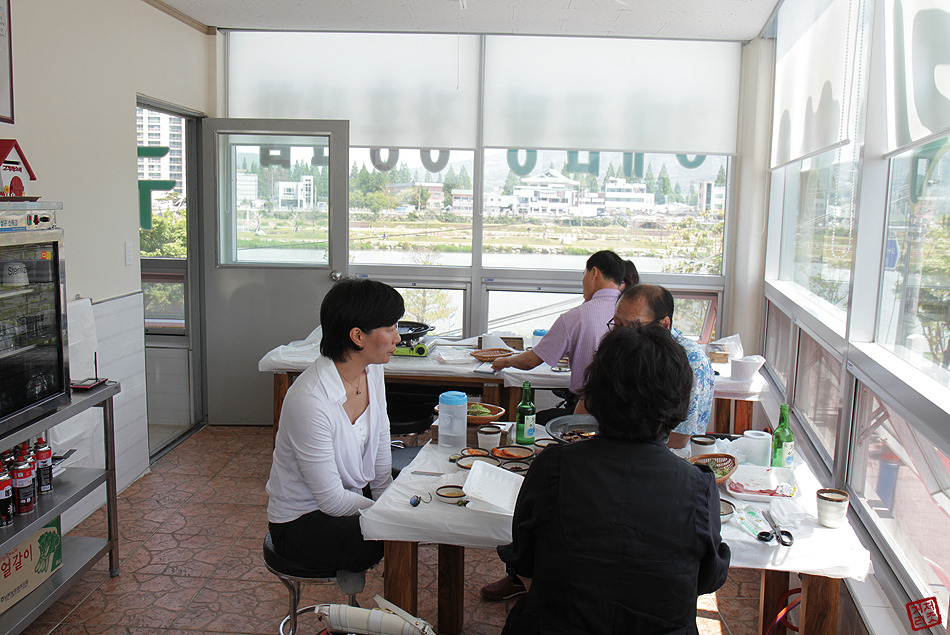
x=680 y=19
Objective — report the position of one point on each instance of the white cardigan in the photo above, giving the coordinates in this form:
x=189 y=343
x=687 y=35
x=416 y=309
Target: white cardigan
x=318 y=461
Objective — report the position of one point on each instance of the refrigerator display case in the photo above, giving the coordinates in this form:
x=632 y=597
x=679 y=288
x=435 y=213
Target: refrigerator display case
x=34 y=369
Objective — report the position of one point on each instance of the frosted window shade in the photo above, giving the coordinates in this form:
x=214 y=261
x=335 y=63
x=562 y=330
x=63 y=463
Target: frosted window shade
x=815 y=44
x=397 y=90
x=918 y=69
x=420 y=90
x=611 y=94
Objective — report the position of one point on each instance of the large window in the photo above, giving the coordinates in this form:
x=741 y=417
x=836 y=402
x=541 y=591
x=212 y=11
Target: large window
x=164 y=244
x=817 y=392
x=914 y=315
x=476 y=168
x=819 y=222
x=552 y=209
x=411 y=206
x=903 y=482
x=275 y=197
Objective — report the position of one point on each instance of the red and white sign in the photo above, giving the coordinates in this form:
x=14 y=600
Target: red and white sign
x=923 y=613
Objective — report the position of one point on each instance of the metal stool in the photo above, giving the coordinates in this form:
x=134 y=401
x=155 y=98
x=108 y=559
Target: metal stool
x=293 y=575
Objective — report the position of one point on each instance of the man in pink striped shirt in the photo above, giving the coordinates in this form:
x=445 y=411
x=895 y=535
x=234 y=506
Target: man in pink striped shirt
x=577 y=332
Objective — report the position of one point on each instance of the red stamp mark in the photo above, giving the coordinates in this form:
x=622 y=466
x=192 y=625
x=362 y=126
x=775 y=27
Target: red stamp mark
x=923 y=613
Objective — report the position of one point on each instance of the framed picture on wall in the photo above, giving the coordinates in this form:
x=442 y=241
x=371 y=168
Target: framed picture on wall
x=6 y=64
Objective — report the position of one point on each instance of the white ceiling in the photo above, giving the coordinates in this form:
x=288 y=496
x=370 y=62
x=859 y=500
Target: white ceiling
x=680 y=19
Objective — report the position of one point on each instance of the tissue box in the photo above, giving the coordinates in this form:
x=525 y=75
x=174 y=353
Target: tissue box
x=29 y=564
x=717 y=353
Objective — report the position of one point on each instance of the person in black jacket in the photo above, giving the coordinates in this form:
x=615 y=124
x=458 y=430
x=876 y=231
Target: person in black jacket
x=616 y=533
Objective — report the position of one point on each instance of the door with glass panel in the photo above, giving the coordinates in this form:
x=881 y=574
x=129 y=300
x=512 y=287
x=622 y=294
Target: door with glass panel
x=274 y=239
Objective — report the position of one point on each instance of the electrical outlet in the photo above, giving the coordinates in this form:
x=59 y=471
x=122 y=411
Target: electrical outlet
x=128 y=253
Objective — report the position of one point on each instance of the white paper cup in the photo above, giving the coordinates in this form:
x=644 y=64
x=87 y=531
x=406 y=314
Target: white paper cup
x=832 y=507
x=702 y=444
x=489 y=437
x=760 y=447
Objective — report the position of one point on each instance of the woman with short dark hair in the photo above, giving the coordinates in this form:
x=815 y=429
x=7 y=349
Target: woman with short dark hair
x=331 y=453
x=616 y=533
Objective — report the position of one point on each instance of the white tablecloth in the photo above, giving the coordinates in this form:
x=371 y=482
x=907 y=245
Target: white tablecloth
x=393 y=518
x=297 y=356
x=817 y=550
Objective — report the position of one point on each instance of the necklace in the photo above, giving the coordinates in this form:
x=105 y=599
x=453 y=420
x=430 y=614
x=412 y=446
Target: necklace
x=356 y=385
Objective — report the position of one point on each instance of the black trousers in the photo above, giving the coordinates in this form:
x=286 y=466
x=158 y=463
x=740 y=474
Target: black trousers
x=332 y=543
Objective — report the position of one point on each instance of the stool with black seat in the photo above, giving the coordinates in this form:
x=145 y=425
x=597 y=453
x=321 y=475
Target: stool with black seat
x=294 y=574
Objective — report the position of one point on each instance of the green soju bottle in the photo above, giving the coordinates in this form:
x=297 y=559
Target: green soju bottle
x=783 y=441
x=524 y=428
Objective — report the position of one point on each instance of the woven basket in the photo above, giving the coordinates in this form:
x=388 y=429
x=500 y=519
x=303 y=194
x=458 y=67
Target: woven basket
x=718 y=463
x=490 y=354
x=497 y=412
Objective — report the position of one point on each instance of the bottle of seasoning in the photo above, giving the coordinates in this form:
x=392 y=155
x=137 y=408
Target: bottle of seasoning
x=783 y=441
x=23 y=491
x=6 y=499
x=524 y=429
x=44 y=466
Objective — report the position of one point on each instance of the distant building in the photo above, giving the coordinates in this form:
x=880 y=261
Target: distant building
x=291 y=195
x=463 y=202
x=246 y=187
x=436 y=192
x=620 y=195
x=496 y=204
x=549 y=194
x=712 y=197
x=159 y=129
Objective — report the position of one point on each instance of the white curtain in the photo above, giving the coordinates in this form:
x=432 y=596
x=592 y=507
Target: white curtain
x=673 y=96
x=918 y=69
x=397 y=90
x=815 y=52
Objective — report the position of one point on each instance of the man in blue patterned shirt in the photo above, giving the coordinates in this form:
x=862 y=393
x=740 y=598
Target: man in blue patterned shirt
x=646 y=303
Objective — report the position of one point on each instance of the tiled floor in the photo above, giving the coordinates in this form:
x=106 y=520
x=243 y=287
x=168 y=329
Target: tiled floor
x=191 y=534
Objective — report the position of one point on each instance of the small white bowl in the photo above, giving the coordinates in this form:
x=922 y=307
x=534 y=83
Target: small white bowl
x=451 y=494
x=518 y=467
x=745 y=368
x=726 y=510
x=540 y=444
x=466 y=462
x=513 y=452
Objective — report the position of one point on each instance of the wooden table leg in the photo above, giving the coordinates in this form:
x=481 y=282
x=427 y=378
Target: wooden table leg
x=743 y=415
x=819 y=608
x=723 y=416
x=773 y=586
x=401 y=580
x=451 y=601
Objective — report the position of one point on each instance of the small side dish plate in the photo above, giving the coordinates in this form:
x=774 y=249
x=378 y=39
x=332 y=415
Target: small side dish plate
x=757 y=483
x=466 y=462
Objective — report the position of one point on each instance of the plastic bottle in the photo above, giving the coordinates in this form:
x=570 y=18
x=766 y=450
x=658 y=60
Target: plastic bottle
x=783 y=441
x=524 y=430
x=453 y=417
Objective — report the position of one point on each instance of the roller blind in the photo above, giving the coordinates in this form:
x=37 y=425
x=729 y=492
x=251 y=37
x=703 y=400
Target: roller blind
x=611 y=94
x=918 y=69
x=397 y=90
x=814 y=50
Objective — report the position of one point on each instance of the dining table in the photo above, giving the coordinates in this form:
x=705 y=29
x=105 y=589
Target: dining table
x=822 y=556
x=452 y=365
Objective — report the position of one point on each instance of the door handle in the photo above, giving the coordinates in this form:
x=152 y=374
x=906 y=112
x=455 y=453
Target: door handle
x=336 y=276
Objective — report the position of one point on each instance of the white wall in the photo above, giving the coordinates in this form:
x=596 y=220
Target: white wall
x=78 y=68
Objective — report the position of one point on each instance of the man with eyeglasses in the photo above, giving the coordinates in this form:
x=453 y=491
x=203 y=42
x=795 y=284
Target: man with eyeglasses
x=649 y=303
x=578 y=332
